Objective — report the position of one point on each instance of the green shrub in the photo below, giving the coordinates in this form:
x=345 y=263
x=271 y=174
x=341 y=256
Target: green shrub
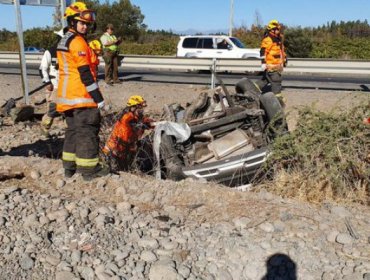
x=298 y=43
x=326 y=156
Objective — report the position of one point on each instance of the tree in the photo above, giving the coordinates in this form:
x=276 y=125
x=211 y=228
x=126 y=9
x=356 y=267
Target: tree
x=39 y=37
x=126 y=18
x=298 y=43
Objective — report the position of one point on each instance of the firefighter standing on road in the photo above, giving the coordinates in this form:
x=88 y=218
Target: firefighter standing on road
x=121 y=145
x=273 y=58
x=79 y=97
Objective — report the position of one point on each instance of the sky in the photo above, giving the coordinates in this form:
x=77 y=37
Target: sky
x=206 y=15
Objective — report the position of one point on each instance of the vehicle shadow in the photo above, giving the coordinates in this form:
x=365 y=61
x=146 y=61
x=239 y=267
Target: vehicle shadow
x=49 y=148
x=280 y=266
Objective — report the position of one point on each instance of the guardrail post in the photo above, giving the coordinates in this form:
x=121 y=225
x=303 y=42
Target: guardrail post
x=213 y=71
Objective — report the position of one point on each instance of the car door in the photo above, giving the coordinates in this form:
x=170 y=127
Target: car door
x=225 y=48
x=205 y=47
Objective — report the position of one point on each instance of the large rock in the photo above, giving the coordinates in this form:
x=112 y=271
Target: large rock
x=163 y=270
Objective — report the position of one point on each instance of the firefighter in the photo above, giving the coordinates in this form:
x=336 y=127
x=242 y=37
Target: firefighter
x=122 y=144
x=96 y=47
x=79 y=97
x=273 y=58
x=50 y=75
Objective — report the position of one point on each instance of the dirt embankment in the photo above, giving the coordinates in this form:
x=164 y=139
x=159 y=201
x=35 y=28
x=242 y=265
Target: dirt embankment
x=134 y=227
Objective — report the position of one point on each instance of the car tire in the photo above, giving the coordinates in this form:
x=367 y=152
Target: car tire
x=271 y=105
x=274 y=113
x=245 y=85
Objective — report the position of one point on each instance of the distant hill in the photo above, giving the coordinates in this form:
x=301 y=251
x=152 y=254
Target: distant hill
x=198 y=31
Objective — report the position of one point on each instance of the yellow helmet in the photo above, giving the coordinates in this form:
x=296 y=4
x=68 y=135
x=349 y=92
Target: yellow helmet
x=136 y=100
x=79 y=11
x=273 y=24
x=95 y=45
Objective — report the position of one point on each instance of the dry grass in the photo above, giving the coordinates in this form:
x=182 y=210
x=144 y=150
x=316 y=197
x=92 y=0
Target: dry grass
x=327 y=157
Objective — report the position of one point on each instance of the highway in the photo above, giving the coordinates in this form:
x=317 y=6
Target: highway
x=290 y=80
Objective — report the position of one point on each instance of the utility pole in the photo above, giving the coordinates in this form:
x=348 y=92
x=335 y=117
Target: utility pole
x=231 y=18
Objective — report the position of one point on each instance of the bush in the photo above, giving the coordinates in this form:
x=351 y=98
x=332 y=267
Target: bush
x=326 y=157
x=160 y=47
x=298 y=43
x=39 y=37
x=342 y=47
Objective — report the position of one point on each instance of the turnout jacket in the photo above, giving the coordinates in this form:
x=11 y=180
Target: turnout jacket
x=125 y=134
x=77 y=86
x=272 y=52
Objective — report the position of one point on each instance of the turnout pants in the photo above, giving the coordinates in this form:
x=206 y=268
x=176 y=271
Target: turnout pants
x=111 y=66
x=47 y=119
x=81 y=143
x=273 y=78
x=123 y=159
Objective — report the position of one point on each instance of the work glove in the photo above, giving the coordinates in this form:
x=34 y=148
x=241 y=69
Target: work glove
x=263 y=67
x=101 y=105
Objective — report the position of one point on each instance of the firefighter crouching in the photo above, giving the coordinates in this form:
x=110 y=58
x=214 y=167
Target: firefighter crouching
x=79 y=97
x=122 y=144
x=273 y=58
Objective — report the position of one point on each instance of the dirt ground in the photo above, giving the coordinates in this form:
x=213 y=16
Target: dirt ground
x=158 y=94
x=24 y=148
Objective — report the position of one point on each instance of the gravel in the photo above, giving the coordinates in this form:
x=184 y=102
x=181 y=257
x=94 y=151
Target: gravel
x=129 y=226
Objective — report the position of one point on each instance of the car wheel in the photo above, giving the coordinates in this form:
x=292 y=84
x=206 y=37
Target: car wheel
x=171 y=163
x=245 y=85
x=271 y=105
x=274 y=113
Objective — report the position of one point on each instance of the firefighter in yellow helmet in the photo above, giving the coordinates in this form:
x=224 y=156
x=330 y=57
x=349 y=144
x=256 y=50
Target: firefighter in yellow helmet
x=79 y=98
x=273 y=58
x=96 y=48
x=95 y=45
x=121 y=146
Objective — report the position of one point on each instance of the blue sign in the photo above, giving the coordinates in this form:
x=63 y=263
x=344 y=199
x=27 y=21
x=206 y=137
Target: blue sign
x=50 y=3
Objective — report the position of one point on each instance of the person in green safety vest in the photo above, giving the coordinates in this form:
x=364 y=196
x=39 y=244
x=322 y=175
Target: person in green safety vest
x=110 y=55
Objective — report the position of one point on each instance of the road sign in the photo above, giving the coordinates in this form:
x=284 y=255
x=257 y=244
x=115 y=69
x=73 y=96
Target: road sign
x=50 y=3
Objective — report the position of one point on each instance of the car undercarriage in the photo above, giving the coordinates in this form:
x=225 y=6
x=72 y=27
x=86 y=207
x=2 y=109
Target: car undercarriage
x=228 y=135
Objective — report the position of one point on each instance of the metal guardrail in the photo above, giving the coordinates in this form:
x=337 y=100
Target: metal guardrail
x=297 y=65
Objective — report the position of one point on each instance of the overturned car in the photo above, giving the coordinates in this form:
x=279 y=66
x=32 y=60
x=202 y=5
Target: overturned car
x=220 y=136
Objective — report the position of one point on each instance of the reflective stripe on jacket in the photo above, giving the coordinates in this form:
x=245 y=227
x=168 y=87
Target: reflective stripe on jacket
x=73 y=54
x=272 y=52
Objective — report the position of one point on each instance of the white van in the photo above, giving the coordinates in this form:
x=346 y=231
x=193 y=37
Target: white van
x=214 y=46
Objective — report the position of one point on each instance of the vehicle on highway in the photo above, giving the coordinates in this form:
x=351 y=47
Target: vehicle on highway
x=214 y=46
x=227 y=135
x=33 y=50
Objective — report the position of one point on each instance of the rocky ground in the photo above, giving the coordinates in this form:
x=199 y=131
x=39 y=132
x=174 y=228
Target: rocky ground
x=130 y=226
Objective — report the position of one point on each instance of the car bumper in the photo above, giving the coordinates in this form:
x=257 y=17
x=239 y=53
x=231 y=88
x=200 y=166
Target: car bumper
x=231 y=171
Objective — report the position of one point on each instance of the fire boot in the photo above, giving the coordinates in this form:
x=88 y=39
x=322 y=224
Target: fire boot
x=46 y=124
